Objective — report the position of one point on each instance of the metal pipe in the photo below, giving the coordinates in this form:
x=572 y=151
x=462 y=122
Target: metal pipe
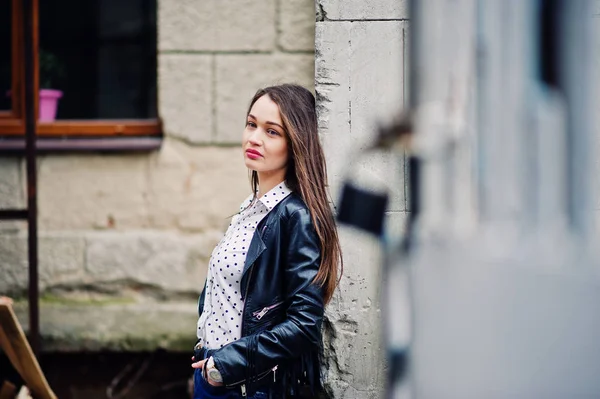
x=14 y=214
x=30 y=144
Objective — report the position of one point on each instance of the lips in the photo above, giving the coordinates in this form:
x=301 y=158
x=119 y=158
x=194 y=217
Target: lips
x=253 y=154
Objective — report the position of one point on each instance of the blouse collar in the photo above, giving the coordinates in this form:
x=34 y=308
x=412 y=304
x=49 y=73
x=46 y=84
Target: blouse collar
x=275 y=195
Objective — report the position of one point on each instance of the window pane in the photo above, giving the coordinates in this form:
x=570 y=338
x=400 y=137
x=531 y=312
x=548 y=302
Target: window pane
x=101 y=54
x=5 y=54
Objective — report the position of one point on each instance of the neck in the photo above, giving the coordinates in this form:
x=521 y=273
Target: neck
x=266 y=181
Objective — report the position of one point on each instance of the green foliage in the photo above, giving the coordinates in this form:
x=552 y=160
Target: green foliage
x=51 y=69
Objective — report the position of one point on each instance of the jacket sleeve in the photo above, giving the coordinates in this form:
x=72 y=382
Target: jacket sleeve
x=301 y=330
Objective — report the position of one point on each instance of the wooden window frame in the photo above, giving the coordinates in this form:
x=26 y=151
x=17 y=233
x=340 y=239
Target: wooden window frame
x=12 y=122
x=14 y=116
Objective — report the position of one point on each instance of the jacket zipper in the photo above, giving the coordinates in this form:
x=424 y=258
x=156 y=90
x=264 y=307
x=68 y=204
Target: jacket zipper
x=274 y=369
x=260 y=313
x=258 y=378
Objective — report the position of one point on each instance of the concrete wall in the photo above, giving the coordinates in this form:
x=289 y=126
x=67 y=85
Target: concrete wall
x=123 y=234
x=361 y=50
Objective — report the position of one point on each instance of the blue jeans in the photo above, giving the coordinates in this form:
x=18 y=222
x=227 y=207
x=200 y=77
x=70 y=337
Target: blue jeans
x=203 y=390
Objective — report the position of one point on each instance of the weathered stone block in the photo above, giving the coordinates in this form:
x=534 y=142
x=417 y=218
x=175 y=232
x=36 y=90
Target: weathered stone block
x=195 y=188
x=150 y=262
x=118 y=326
x=297 y=25
x=377 y=72
x=360 y=85
x=355 y=352
x=92 y=191
x=332 y=86
x=357 y=10
x=238 y=78
x=12 y=184
x=60 y=261
x=13 y=264
x=185 y=100
x=214 y=25
x=377 y=80
x=332 y=75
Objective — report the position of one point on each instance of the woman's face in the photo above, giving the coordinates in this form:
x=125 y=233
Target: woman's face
x=264 y=140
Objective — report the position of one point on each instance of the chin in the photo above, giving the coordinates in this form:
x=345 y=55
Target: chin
x=250 y=164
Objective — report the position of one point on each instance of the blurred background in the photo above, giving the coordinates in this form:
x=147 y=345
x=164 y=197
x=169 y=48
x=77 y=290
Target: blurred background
x=484 y=278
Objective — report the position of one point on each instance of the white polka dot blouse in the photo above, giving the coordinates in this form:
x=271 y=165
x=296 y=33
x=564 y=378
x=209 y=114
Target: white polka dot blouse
x=221 y=319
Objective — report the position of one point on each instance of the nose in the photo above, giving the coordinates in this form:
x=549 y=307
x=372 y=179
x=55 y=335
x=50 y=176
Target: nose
x=254 y=138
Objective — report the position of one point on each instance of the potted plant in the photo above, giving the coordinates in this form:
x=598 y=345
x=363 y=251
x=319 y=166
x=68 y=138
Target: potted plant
x=51 y=69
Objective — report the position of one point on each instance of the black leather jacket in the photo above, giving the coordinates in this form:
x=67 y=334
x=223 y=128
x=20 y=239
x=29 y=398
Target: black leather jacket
x=283 y=309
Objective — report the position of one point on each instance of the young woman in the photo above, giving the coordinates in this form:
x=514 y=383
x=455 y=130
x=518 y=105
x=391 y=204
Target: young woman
x=259 y=331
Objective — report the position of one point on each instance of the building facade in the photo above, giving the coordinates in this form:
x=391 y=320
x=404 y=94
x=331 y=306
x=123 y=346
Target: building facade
x=125 y=237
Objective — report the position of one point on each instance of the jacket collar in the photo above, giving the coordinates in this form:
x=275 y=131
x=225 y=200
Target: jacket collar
x=257 y=245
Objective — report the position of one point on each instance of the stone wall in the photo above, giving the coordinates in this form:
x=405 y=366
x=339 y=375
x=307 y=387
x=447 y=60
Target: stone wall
x=215 y=54
x=361 y=50
x=126 y=238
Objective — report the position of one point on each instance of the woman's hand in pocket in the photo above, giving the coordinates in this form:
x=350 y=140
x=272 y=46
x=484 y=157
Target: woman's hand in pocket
x=200 y=365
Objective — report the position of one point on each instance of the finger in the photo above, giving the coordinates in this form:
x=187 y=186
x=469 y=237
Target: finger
x=199 y=365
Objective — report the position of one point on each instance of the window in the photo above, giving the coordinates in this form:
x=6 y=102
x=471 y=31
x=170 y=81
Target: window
x=5 y=59
x=10 y=65
x=96 y=62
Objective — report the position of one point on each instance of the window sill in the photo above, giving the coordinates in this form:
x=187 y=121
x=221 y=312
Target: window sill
x=16 y=146
x=85 y=128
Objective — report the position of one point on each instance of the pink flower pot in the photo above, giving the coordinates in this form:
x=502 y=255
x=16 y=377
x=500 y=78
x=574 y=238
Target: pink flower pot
x=48 y=104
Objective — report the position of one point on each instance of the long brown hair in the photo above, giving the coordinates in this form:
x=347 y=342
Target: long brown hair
x=306 y=174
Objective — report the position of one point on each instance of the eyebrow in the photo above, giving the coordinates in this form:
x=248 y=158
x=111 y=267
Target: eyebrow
x=268 y=122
